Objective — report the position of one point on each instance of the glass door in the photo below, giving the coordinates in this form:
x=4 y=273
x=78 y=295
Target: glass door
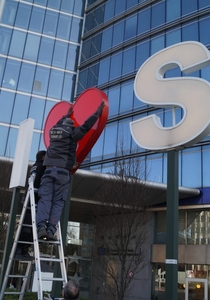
x=196 y=289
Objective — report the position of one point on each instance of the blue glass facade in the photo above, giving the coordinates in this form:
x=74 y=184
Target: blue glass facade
x=118 y=37
x=39 y=47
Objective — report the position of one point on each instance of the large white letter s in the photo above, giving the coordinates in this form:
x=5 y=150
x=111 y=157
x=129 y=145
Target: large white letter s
x=190 y=93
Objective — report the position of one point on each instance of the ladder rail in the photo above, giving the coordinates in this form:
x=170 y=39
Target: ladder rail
x=35 y=237
x=14 y=247
x=30 y=198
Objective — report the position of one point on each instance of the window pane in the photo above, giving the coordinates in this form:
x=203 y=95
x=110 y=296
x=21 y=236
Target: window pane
x=103 y=74
x=109 y=10
x=158 y=14
x=55 y=84
x=204 y=36
x=114 y=99
x=41 y=81
x=37 y=19
x=69 y=81
x=191 y=167
x=49 y=105
x=96 y=45
x=11 y=74
x=142 y=53
x=46 y=51
x=118 y=33
x=41 y=2
x=11 y=143
x=75 y=30
x=130 y=27
x=60 y=53
x=78 y=7
x=188 y=6
x=64 y=25
x=17 y=44
x=82 y=81
x=97 y=150
x=32 y=47
x=173 y=37
x=6 y=105
x=86 y=50
x=128 y=60
x=126 y=102
x=26 y=78
x=110 y=139
x=131 y=3
x=9 y=12
x=203 y=3
x=172 y=9
x=67 y=6
x=23 y=15
x=190 y=32
x=144 y=21
x=5 y=36
x=157 y=44
x=106 y=39
x=116 y=60
x=54 y=4
x=20 y=111
x=154 y=168
x=34 y=146
x=124 y=136
x=3 y=134
x=71 y=63
x=50 y=24
x=93 y=75
x=2 y=64
x=36 y=111
x=119 y=6
x=205 y=165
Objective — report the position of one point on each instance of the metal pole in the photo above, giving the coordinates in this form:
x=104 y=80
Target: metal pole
x=171 y=287
x=56 y=287
x=10 y=232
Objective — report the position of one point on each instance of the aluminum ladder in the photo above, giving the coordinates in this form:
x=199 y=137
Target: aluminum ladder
x=37 y=257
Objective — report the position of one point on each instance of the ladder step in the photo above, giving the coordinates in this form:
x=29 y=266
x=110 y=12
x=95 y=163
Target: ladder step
x=13 y=293
x=24 y=242
x=52 y=279
x=17 y=276
x=50 y=259
x=49 y=242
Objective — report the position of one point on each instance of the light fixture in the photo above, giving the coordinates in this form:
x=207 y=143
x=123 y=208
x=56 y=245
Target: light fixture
x=198 y=286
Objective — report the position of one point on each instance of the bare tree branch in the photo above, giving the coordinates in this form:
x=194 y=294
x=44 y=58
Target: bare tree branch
x=121 y=220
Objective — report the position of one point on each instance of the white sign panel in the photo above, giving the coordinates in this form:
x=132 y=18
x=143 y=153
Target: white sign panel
x=190 y=93
x=22 y=153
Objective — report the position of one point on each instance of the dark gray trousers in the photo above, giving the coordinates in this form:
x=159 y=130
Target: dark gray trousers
x=52 y=192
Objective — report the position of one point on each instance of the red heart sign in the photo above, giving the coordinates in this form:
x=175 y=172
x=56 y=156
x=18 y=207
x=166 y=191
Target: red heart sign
x=85 y=105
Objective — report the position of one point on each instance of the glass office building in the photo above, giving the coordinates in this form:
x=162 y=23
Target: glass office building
x=119 y=36
x=39 y=47
x=39 y=55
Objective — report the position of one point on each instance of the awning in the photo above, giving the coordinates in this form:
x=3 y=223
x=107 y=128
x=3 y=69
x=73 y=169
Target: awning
x=87 y=185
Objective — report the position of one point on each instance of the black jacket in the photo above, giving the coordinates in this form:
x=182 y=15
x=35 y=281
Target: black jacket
x=39 y=169
x=63 y=141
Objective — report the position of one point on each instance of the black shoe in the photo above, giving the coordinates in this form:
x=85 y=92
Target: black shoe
x=51 y=236
x=42 y=234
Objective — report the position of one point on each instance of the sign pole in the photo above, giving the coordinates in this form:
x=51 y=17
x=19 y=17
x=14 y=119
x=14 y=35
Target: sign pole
x=172 y=213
